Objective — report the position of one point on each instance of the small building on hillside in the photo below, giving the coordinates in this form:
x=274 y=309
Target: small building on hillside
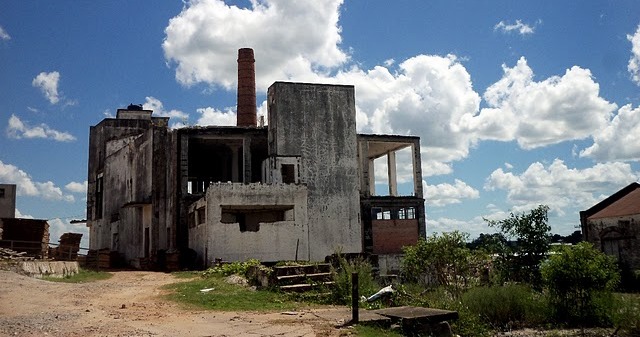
x=613 y=226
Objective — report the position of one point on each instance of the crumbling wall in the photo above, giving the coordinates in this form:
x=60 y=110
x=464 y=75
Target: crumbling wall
x=617 y=236
x=317 y=123
x=221 y=237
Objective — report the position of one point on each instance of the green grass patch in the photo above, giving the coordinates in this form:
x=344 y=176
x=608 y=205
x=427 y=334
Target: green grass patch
x=229 y=297
x=83 y=276
x=186 y=274
x=375 y=331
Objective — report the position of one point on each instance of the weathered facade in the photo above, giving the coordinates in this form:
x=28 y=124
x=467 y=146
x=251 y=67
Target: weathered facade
x=300 y=188
x=7 y=200
x=613 y=226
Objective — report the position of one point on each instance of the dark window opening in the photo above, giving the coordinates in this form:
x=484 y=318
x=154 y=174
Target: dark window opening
x=99 y=188
x=288 y=172
x=1 y=193
x=249 y=219
x=147 y=244
x=115 y=242
x=201 y=214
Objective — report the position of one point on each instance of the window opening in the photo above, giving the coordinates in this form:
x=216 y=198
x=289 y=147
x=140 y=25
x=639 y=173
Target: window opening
x=288 y=173
x=99 y=189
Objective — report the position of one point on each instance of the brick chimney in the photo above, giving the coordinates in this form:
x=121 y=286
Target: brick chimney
x=246 y=111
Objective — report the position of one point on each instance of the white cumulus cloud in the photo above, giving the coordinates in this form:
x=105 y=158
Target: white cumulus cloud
x=634 y=61
x=202 y=41
x=77 y=187
x=58 y=226
x=27 y=187
x=18 y=129
x=179 y=117
x=619 y=140
x=4 y=35
x=537 y=114
x=560 y=187
x=48 y=84
x=212 y=116
x=518 y=27
x=445 y=194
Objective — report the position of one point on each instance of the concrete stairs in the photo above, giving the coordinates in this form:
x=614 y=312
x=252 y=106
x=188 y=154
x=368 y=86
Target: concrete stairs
x=301 y=278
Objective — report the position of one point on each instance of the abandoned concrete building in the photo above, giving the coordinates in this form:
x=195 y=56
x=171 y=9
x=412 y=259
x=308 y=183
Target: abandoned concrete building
x=613 y=226
x=299 y=188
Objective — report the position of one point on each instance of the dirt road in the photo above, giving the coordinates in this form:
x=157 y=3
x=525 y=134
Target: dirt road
x=130 y=304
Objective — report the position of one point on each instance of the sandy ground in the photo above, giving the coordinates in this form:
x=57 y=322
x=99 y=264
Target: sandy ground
x=130 y=304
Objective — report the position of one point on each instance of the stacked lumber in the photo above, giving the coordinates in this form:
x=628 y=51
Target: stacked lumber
x=68 y=248
x=8 y=254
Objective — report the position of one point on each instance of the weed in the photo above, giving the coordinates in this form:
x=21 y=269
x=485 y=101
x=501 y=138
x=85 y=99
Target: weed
x=83 y=276
x=228 y=297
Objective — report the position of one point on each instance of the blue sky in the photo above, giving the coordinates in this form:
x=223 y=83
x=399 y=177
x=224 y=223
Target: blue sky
x=517 y=103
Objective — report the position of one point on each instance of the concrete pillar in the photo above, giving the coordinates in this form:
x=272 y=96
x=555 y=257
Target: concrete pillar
x=417 y=169
x=391 y=174
x=372 y=177
x=234 y=164
x=246 y=160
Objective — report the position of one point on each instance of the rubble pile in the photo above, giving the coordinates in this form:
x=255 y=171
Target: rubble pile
x=8 y=254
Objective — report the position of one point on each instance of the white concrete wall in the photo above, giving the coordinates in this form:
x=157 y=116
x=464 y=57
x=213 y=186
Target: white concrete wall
x=272 y=242
x=318 y=123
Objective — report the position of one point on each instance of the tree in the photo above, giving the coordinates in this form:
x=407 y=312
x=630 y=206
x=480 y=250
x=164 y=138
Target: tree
x=532 y=234
x=441 y=260
x=490 y=243
x=574 y=277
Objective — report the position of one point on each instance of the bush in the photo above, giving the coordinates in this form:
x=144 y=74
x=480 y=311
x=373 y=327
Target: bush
x=521 y=263
x=442 y=260
x=626 y=315
x=342 y=277
x=506 y=307
x=233 y=268
x=579 y=280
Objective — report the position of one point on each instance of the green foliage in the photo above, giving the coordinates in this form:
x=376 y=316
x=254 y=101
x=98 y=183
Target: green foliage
x=229 y=297
x=442 y=260
x=342 y=277
x=579 y=280
x=489 y=243
x=468 y=323
x=506 y=307
x=532 y=234
x=375 y=331
x=83 y=276
x=233 y=268
x=626 y=315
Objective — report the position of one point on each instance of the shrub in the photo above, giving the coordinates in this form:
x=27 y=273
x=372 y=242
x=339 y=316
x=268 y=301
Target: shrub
x=342 y=277
x=442 y=260
x=579 y=280
x=233 y=268
x=506 y=307
x=626 y=315
x=532 y=233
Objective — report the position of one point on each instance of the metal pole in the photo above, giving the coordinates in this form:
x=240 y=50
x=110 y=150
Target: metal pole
x=355 y=314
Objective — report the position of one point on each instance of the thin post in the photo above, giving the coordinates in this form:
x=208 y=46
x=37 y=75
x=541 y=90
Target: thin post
x=355 y=314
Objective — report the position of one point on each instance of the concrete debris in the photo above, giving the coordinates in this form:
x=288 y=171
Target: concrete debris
x=8 y=254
